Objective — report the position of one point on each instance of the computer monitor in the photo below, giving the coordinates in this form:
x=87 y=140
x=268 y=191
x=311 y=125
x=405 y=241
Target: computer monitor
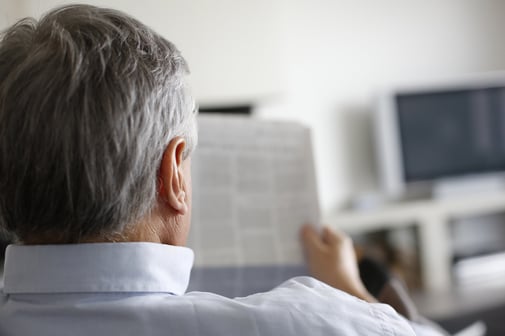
x=434 y=132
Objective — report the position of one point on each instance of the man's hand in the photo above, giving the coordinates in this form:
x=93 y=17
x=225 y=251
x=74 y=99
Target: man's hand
x=331 y=258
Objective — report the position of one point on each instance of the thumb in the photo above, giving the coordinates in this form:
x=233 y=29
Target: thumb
x=310 y=238
x=331 y=237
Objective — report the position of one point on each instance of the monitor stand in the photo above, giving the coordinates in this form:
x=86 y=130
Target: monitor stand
x=461 y=187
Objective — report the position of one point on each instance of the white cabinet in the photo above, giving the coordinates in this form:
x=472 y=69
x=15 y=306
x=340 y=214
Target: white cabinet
x=432 y=218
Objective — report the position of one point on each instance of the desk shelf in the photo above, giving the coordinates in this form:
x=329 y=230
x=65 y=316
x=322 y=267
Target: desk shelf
x=432 y=217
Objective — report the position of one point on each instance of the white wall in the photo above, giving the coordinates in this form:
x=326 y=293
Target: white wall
x=337 y=53
x=319 y=61
x=231 y=46
x=10 y=11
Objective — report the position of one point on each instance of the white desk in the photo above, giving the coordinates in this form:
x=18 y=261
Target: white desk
x=432 y=218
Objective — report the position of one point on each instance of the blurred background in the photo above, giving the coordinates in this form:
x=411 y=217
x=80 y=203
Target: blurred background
x=329 y=64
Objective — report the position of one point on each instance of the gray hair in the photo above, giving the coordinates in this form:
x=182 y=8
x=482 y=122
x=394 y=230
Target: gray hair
x=89 y=100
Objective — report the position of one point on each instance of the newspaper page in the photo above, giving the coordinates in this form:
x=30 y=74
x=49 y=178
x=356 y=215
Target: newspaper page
x=253 y=188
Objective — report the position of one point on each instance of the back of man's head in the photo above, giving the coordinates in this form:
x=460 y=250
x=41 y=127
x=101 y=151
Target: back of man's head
x=89 y=99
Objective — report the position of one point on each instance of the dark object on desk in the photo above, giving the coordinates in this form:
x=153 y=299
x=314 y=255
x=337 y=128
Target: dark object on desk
x=234 y=109
x=388 y=289
x=374 y=275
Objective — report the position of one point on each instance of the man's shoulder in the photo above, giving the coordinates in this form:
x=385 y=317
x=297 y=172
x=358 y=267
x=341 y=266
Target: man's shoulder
x=301 y=305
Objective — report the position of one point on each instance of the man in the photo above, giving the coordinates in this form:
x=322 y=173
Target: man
x=96 y=135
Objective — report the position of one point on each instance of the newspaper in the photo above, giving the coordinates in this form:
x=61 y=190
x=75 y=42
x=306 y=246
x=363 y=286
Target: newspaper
x=253 y=188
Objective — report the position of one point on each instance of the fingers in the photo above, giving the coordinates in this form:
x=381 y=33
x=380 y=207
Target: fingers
x=311 y=237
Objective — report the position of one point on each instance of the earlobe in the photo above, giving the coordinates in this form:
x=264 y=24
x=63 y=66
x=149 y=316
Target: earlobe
x=172 y=186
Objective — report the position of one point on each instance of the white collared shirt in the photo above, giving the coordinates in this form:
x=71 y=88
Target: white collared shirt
x=138 y=289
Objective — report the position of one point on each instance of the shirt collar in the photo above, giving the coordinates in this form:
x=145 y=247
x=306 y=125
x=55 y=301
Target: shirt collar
x=99 y=267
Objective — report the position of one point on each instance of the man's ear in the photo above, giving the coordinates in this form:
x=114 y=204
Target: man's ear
x=172 y=186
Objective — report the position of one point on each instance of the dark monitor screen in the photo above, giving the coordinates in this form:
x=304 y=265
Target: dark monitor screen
x=452 y=133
